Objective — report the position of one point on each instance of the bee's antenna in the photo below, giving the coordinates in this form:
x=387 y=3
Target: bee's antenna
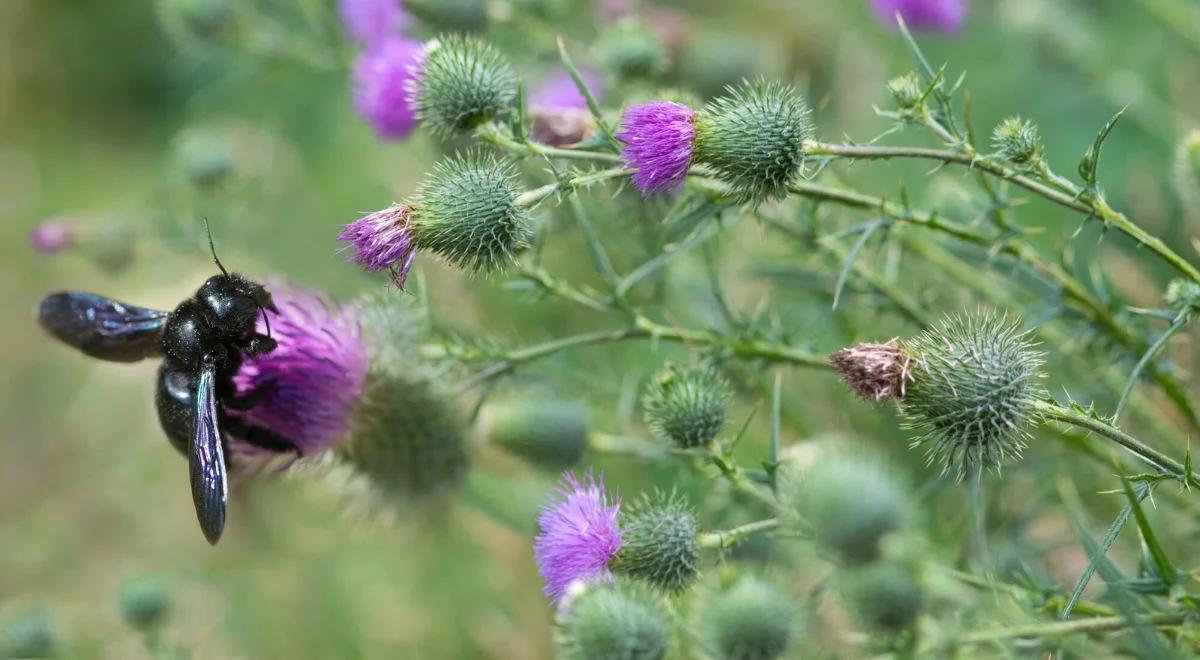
x=266 y=320
x=212 y=248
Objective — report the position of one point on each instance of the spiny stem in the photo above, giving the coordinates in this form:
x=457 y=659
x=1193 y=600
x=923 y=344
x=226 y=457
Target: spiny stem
x=1061 y=628
x=731 y=537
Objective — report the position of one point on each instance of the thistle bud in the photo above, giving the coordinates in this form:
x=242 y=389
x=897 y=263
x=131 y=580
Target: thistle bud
x=687 y=406
x=466 y=212
x=1187 y=174
x=144 y=602
x=851 y=504
x=972 y=391
x=875 y=372
x=754 y=138
x=1183 y=296
x=885 y=597
x=452 y=15
x=204 y=157
x=31 y=634
x=551 y=434
x=1018 y=141
x=611 y=622
x=464 y=82
x=659 y=543
x=752 y=619
x=631 y=50
x=906 y=91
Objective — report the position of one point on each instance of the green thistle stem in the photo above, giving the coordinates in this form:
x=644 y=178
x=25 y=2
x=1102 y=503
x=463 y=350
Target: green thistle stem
x=731 y=537
x=1061 y=628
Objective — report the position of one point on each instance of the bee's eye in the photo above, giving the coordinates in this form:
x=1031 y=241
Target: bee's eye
x=243 y=305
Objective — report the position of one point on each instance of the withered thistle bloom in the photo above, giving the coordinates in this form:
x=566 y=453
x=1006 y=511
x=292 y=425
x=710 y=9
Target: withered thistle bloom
x=659 y=138
x=578 y=535
x=312 y=382
x=383 y=240
x=384 y=77
x=559 y=111
x=940 y=15
x=875 y=372
x=52 y=236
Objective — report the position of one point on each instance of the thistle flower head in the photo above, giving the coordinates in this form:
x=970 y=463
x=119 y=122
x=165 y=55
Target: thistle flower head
x=659 y=138
x=384 y=77
x=614 y=622
x=753 y=137
x=885 y=596
x=940 y=15
x=972 y=391
x=578 y=535
x=851 y=503
x=308 y=387
x=465 y=82
x=466 y=212
x=687 y=406
x=548 y=433
x=383 y=240
x=371 y=22
x=906 y=91
x=659 y=543
x=144 y=602
x=875 y=372
x=1018 y=141
x=751 y=619
x=451 y=15
x=630 y=50
x=53 y=236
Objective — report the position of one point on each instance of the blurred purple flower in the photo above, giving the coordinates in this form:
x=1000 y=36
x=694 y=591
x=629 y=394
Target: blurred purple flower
x=658 y=138
x=310 y=384
x=52 y=236
x=578 y=535
x=383 y=240
x=559 y=112
x=383 y=81
x=371 y=22
x=940 y=15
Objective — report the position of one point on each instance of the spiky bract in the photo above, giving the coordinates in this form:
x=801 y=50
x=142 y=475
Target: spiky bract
x=614 y=622
x=548 y=433
x=466 y=213
x=754 y=138
x=971 y=398
x=687 y=405
x=659 y=543
x=464 y=82
x=851 y=503
x=1018 y=141
x=752 y=619
x=907 y=90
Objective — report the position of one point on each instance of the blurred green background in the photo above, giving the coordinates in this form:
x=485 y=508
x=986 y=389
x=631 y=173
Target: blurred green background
x=109 y=109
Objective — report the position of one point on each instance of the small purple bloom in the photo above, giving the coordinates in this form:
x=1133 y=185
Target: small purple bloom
x=371 y=22
x=578 y=535
x=52 y=236
x=310 y=384
x=658 y=138
x=383 y=240
x=383 y=81
x=941 y=15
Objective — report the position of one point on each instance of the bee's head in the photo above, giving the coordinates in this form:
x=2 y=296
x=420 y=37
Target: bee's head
x=234 y=302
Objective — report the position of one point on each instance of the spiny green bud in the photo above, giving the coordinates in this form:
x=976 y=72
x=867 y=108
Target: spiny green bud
x=455 y=15
x=658 y=543
x=144 y=602
x=906 y=91
x=31 y=634
x=549 y=433
x=1187 y=174
x=613 y=622
x=204 y=157
x=1018 y=142
x=466 y=212
x=754 y=138
x=465 y=82
x=752 y=619
x=972 y=391
x=851 y=503
x=1183 y=296
x=630 y=49
x=687 y=405
x=885 y=596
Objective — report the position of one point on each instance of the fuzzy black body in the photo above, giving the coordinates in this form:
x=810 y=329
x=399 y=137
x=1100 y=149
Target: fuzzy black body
x=202 y=343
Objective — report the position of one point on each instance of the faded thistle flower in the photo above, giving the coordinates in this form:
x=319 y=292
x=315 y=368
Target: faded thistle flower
x=549 y=433
x=559 y=111
x=307 y=389
x=53 y=236
x=972 y=391
x=578 y=535
x=144 y=602
x=887 y=596
x=875 y=372
x=617 y=621
x=383 y=240
x=687 y=406
x=464 y=82
x=659 y=140
x=938 y=15
x=659 y=543
x=384 y=78
x=750 y=619
x=372 y=22
x=1018 y=142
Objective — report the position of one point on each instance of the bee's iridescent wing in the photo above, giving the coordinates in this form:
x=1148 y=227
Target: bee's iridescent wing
x=101 y=327
x=206 y=458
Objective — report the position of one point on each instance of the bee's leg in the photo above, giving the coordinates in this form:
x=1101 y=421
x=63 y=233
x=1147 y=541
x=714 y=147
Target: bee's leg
x=257 y=344
x=249 y=399
x=260 y=437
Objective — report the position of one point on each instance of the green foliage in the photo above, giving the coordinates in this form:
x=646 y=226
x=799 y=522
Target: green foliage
x=751 y=619
x=614 y=622
x=549 y=433
x=450 y=15
x=687 y=406
x=465 y=82
x=630 y=49
x=658 y=543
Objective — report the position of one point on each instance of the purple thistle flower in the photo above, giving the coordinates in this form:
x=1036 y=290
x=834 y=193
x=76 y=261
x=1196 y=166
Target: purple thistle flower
x=310 y=384
x=941 y=15
x=371 y=22
x=559 y=112
x=658 y=138
x=383 y=80
x=52 y=236
x=579 y=535
x=383 y=240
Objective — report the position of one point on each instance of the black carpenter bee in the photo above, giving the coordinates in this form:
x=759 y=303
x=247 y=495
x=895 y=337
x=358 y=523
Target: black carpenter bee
x=202 y=343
